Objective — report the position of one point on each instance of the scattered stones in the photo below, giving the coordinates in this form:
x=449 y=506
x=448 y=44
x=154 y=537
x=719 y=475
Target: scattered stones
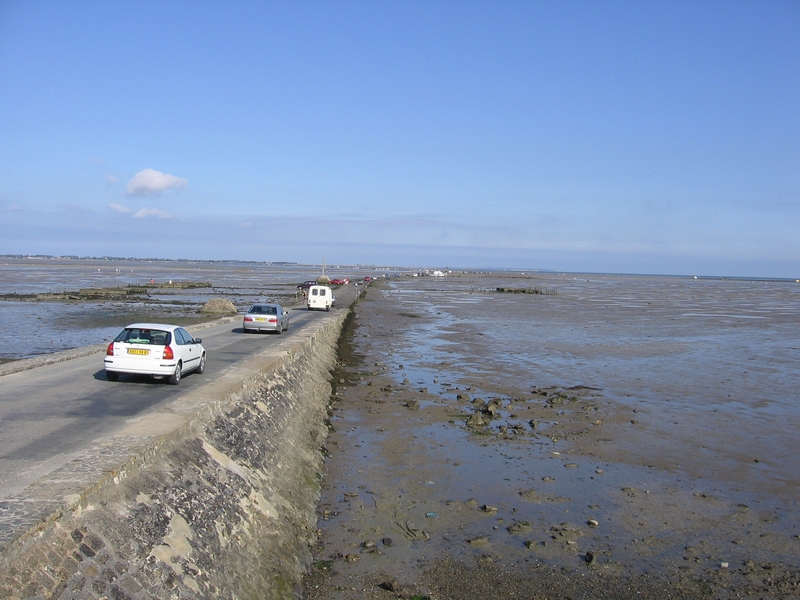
x=387 y=541
x=481 y=540
x=476 y=421
x=412 y=404
x=391 y=585
x=492 y=407
x=531 y=494
x=369 y=547
x=593 y=523
x=566 y=532
x=488 y=508
x=519 y=527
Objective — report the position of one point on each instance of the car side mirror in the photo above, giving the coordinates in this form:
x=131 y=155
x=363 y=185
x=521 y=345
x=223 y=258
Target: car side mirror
x=197 y=341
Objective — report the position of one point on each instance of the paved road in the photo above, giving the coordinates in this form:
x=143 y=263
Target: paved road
x=54 y=413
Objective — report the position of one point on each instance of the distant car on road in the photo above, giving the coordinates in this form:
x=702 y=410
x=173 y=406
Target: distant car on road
x=265 y=317
x=367 y=279
x=307 y=284
x=321 y=297
x=339 y=281
x=155 y=349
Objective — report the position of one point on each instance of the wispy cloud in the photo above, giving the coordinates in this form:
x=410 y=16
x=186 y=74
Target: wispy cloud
x=111 y=179
x=151 y=212
x=120 y=208
x=150 y=181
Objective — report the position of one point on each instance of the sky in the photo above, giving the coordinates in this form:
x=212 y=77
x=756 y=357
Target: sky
x=619 y=137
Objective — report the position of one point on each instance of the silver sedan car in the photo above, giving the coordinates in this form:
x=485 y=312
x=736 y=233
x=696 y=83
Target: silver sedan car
x=265 y=317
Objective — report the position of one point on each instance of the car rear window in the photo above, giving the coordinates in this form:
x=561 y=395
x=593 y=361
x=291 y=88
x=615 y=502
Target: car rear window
x=264 y=310
x=156 y=337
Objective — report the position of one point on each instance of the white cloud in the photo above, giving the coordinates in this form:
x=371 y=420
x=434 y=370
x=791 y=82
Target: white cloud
x=120 y=208
x=143 y=213
x=150 y=181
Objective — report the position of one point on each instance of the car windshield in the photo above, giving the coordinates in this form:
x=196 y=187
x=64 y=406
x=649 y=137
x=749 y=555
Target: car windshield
x=143 y=336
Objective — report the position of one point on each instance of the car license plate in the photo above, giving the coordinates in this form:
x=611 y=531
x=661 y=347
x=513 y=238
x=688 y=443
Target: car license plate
x=261 y=318
x=138 y=351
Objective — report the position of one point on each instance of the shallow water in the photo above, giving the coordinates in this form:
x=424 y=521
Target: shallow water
x=34 y=328
x=709 y=367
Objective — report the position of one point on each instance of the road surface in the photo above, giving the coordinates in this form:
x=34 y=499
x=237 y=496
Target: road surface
x=52 y=414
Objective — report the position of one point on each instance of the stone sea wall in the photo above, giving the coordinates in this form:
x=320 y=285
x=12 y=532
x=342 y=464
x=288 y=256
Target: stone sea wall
x=220 y=506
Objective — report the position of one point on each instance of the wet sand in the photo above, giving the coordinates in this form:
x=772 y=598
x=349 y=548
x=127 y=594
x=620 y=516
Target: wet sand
x=445 y=480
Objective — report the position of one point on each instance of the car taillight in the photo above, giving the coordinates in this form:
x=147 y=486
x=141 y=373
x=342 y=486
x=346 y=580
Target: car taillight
x=168 y=353
x=273 y=320
x=110 y=349
x=248 y=319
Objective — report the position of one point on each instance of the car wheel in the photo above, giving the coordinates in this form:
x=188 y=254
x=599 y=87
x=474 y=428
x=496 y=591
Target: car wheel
x=280 y=329
x=175 y=378
x=202 y=367
x=111 y=376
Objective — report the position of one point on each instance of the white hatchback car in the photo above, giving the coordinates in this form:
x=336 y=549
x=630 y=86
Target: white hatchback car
x=154 y=349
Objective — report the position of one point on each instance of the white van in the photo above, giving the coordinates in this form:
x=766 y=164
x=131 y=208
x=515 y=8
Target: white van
x=320 y=296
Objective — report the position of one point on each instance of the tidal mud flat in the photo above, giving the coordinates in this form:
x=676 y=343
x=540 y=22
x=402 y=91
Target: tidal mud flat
x=614 y=439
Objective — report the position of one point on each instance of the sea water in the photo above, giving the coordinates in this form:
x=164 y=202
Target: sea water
x=31 y=328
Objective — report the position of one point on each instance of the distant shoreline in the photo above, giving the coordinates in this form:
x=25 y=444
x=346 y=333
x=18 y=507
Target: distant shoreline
x=478 y=270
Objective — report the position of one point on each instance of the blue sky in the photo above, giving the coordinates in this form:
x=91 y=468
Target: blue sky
x=645 y=137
